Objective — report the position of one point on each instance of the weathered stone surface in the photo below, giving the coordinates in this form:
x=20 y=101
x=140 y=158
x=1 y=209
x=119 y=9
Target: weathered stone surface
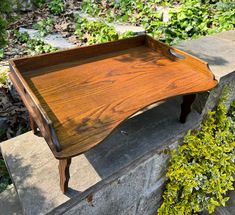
x=35 y=174
x=9 y=202
x=57 y=41
x=217 y=50
x=230 y=206
x=32 y=32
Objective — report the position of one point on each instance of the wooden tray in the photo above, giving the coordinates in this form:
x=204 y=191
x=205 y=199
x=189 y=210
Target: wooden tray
x=77 y=97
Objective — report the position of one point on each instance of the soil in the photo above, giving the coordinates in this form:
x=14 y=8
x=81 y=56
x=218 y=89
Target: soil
x=64 y=24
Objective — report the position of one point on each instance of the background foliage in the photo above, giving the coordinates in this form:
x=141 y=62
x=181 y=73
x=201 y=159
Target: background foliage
x=169 y=20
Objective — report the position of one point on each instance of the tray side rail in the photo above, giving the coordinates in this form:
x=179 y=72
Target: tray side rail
x=78 y=53
x=181 y=56
x=35 y=110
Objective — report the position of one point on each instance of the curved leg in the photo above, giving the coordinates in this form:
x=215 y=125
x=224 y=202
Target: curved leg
x=186 y=106
x=64 y=174
x=33 y=125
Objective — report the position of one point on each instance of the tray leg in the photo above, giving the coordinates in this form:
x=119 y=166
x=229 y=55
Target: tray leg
x=64 y=174
x=186 y=106
x=33 y=125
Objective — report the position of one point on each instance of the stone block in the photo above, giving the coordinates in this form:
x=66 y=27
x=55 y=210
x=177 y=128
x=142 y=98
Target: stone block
x=55 y=40
x=218 y=50
x=9 y=202
x=99 y=172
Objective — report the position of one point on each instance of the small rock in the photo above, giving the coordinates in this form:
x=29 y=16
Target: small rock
x=3 y=123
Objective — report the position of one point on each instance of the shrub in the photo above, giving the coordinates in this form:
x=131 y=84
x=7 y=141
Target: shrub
x=190 y=19
x=56 y=6
x=5 y=10
x=34 y=46
x=201 y=169
x=45 y=26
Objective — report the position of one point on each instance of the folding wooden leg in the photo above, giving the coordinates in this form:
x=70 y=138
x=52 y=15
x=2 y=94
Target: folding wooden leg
x=186 y=106
x=64 y=174
x=33 y=125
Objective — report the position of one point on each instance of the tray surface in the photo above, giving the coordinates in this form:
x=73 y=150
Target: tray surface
x=86 y=99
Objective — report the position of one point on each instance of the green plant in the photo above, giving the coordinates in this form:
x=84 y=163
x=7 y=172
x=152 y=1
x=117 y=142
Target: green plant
x=38 y=3
x=5 y=10
x=4 y=176
x=34 y=46
x=93 y=32
x=201 y=169
x=45 y=26
x=190 y=19
x=3 y=77
x=56 y=6
x=1 y=54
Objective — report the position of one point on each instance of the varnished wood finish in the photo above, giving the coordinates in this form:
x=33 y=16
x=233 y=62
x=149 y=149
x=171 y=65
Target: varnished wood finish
x=186 y=106
x=64 y=165
x=79 y=96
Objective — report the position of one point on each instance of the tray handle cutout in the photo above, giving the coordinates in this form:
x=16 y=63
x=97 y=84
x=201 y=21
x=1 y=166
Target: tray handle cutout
x=177 y=55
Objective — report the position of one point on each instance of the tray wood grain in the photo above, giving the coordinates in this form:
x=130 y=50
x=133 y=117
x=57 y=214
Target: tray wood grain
x=79 y=96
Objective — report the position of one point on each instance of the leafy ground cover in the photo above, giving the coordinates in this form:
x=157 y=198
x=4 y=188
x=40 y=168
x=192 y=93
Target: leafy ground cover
x=92 y=32
x=169 y=21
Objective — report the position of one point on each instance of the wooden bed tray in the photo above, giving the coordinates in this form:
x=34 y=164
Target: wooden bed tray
x=77 y=97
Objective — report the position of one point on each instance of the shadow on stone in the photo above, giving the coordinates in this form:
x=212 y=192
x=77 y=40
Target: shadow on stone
x=138 y=136
x=72 y=192
x=22 y=175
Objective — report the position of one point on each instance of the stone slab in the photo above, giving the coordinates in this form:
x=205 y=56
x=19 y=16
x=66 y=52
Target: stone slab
x=119 y=27
x=55 y=40
x=34 y=169
x=9 y=202
x=218 y=50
